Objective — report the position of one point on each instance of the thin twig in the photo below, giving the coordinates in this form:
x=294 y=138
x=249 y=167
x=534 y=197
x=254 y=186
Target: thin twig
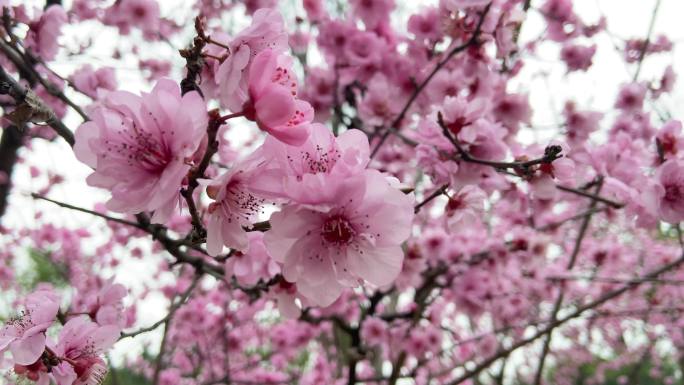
x=647 y=42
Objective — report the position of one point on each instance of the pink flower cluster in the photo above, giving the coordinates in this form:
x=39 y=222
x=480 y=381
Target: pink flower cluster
x=77 y=356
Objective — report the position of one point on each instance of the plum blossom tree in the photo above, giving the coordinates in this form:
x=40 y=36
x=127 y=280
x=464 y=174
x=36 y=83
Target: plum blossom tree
x=334 y=193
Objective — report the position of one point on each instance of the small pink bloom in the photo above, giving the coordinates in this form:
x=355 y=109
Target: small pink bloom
x=631 y=97
x=106 y=306
x=24 y=336
x=89 y=81
x=254 y=264
x=315 y=10
x=578 y=57
x=231 y=77
x=372 y=12
x=670 y=139
x=139 y=147
x=670 y=191
x=426 y=25
x=376 y=108
x=43 y=33
x=465 y=207
x=80 y=348
x=236 y=205
x=272 y=103
x=462 y=5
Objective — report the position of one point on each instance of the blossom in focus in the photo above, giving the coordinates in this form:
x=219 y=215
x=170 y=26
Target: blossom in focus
x=24 y=336
x=139 y=147
x=236 y=205
x=80 y=347
x=273 y=102
x=356 y=237
x=231 y=77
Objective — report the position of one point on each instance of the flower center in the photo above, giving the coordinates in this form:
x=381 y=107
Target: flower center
x=673 y=193
x=338 y=230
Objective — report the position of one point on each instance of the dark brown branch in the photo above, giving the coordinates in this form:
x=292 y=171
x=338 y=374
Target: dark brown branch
x=609 y=202
x=551 y=153
x=11 y=87
x=429 y=198
x=10 y=142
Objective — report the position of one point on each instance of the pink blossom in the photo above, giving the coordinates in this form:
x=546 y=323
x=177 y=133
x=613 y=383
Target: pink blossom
x=315 y=10
x=544 y=183
x=106 y=306
x=631 y=97
x=372 y=12
x=272 y=103
x=363 y=48
x=580 y=124
x=24 y=336
x=669 y=191
x=236 y=205
x=143 y=14
x=425 y=26
x=357 y=237
x=376 y=108
x=484 y=139
x=578 y=57
x=254 y=264
x=266 y=32
x=80 y=347
x=667 y=82
x=89 y=81
x=670 y=139
x=43 y=33
x=252 y=6
x=139 y=147
x=465 y=207
x=374 y=331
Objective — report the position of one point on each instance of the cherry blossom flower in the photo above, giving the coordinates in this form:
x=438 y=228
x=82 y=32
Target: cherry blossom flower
x=254 y=264
x=357 y=237
x=43 y=33
x=24 y=336
x=670 y=191
x=105 y=306
x=139 y=147
x=266 y=32
x=372 y=12
x=578 y=57
x=79 y=349
x=237 y=203
x=272 y=100
x=89 y=81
